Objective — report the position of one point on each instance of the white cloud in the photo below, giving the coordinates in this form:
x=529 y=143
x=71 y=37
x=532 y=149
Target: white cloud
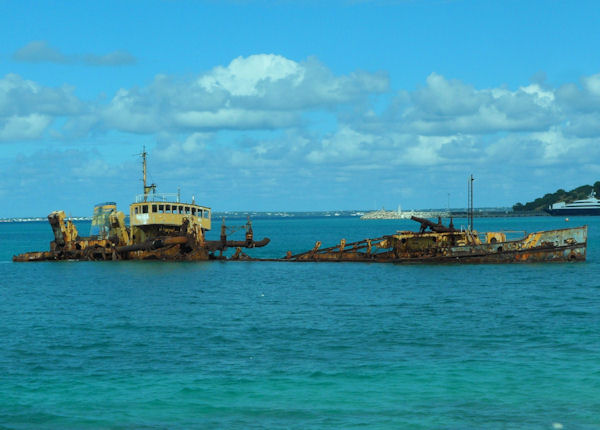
x=22 y=97
x=192 y=148
x=343 y=146
x=575 y=99
x=269 y=120
x=446 y=107
x=27 y=109
x=262 y=91
x=425 y=152
x=592 y=84
x=128 y=112
x=441 y=97
x=23 y=127
x=243 y=76
x=558 y=148
x=544 y=97
x=233 y=119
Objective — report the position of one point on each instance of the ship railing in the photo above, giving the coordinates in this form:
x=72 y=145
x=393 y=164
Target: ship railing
x=157 y=197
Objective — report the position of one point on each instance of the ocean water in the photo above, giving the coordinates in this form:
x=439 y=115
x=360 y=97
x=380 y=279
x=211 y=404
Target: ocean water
x=244 y=345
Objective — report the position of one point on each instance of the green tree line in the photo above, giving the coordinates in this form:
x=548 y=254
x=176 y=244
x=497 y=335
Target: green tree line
x=560 y=195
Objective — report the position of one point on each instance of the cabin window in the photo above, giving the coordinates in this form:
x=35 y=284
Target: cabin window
x=187 y=210
x=193 y=211
x=135 y=210
x=180 y=209
x=199 y=213
x=161 y=209
x=206 y=214
x=145 y=209
x=167 y=208
x=153 y=208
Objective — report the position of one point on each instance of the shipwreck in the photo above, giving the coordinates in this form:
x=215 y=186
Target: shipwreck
x=162 y=227
x=438 y=243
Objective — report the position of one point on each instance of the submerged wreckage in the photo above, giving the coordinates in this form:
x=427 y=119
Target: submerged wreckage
x=437 y=243
x=161 y=227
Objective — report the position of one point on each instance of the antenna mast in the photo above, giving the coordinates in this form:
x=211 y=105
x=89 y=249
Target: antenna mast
x=147 y=188
x=471 y=202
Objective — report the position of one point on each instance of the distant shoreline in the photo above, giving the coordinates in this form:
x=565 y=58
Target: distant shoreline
x=481 y=213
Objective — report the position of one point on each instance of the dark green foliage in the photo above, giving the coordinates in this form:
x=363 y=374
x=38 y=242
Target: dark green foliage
x=560 y=195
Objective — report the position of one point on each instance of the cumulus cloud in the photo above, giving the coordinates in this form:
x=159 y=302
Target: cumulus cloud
x=193 y=148
x=278 y=83
x=447 y=122
x=243 y=76
x=345 y=145
x=262 y=91
x=270 y=118
x=40 y=51
x=27 y=109
x=20 y=96
x=450 y=106
x=441 y=123
x=23 y=127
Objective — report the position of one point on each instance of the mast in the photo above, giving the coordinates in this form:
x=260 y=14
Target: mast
x=144 y=169
x=471 y=203
x=147 y=188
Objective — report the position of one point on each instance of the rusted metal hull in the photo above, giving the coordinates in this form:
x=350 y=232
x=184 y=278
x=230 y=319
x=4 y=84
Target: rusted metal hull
x=441 y=244
x=540 y=255
x=184 y=243
x=174 y=248
x=455 y=247
x=179 y=250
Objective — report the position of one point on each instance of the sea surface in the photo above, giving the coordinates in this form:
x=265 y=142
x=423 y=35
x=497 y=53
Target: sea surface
x=253 y=345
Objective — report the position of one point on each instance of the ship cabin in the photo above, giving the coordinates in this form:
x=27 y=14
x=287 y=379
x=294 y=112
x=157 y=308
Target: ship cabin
x=166 y=210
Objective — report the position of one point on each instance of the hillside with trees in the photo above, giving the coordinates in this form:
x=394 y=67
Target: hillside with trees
x=560 y=195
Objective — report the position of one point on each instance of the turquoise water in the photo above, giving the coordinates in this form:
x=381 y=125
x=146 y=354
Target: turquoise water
x=299 y=345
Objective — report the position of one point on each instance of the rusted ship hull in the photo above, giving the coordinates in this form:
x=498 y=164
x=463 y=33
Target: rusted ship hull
x=472 y=256
x=185 y=243
x=441 y=244
x=174 y=248
x=453 y=246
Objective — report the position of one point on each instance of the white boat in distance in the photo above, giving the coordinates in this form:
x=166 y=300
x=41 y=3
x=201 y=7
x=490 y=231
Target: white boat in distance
x=589 y=206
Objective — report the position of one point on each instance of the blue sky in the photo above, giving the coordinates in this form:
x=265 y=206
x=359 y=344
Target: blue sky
x=297 y=105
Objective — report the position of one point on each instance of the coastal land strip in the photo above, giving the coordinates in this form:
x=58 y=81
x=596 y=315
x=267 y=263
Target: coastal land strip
x=363 y=214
